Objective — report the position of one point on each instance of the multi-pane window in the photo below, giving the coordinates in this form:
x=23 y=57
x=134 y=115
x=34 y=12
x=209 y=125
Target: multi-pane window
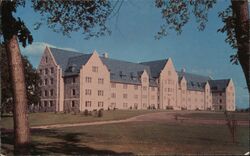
x=51 y=81
x=72 y=103
x=144 y=79
x=45 y=103
x=73 y=92
x=100 y=103
x=51 y=92
x=100 y=80
x=46 y=59
x=125 y=96
x=113 y=95
x=88 y=79
x=135 y=87
x=100 y=93
x=95 y=69
x=144 y=88
x=73 y=80
x=46 y=71
x=45 y=81
x=45 y=93
x=125 y=86
x=50 y=103
x=51 y=70
x=87 y=92
x=113 y=85
x=87 y=103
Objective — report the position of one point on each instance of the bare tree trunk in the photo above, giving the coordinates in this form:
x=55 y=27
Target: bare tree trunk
x=21 y=124
x=241 y=14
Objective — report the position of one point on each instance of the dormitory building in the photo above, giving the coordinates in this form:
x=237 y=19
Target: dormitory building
x=73 y=81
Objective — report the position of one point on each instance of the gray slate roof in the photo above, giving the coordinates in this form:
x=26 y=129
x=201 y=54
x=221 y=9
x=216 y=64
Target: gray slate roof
x=155 y=66
x=75 y=63
x=218 y=85
x=126 y=72
x=62 y=56
x=194 y=81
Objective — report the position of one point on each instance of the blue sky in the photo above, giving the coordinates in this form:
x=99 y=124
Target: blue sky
x=132 y=39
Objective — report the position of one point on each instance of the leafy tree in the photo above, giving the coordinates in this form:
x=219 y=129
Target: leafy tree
x=61 y=16
x=176 y=13
x=32 y=81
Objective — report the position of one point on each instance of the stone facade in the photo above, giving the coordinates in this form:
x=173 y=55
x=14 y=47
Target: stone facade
x=74 y=81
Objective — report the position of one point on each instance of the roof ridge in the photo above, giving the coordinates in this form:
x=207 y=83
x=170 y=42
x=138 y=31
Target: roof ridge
x=193 y=74
x=63 y=49
x=154 y=61
x=123 y=61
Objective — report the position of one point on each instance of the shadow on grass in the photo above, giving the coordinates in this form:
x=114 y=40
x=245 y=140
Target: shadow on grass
x=59 y=143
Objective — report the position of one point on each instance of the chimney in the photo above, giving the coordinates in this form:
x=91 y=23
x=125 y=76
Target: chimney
x=105 y=55
x=183 y=70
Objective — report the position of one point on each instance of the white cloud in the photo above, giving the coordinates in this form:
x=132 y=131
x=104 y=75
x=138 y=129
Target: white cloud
x=205 y=72
x=37 y=48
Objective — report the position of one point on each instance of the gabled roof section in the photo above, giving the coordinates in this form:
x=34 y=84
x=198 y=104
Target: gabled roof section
x=125 y=72
x=219 y=85
x=155 y=66
x=75 y=63
x=61 y=56
x=194 y=81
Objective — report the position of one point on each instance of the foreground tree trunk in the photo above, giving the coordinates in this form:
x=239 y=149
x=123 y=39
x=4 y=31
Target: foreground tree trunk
x=241 y=14
x=21 y=124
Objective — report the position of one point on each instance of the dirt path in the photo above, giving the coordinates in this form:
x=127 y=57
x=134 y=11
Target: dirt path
x=166 y=117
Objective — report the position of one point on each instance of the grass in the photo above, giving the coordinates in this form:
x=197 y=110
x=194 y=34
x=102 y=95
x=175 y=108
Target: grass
x=49 y=118
x=216 y=115
x=136 y=138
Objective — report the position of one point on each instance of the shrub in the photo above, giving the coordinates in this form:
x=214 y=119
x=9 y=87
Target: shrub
x=100 y=113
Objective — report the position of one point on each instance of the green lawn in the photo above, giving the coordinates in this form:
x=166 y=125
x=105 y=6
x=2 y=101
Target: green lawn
x=136 y=138
x=38 y=119
x=216 y=115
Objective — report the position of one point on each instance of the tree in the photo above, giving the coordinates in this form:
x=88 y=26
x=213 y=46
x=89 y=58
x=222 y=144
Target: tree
x=176 y=13
x=32 y=81
x=61 y=16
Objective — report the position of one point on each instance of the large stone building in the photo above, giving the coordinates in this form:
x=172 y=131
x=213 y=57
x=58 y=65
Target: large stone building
x=76 y=82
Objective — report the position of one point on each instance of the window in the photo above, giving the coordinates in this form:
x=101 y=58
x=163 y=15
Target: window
x=95 y=69
x=113 y=95
x=125 y=86
x=144 y=105
x=50 y=103
x=51 y=70
x=144 y=96
x=88 y=79
x=73 y=80
x=87 y=103
x=51 y=92
x=72 y=103
x=41 y=71
x=220 y=94
x=100 y=103
x=46 y=71
x=87 y=92
x=45 y=103
x=51 y=81
x=144 y=88
x=46 y=59
x=73 y=92
x=125 y=96
x=220 y=101
x=135 y=87
x=152 y=89
x=113 y=85
x=100 y=80
x=100 y=93
x=144 y=79
x=45 y=81
x=45 y=93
